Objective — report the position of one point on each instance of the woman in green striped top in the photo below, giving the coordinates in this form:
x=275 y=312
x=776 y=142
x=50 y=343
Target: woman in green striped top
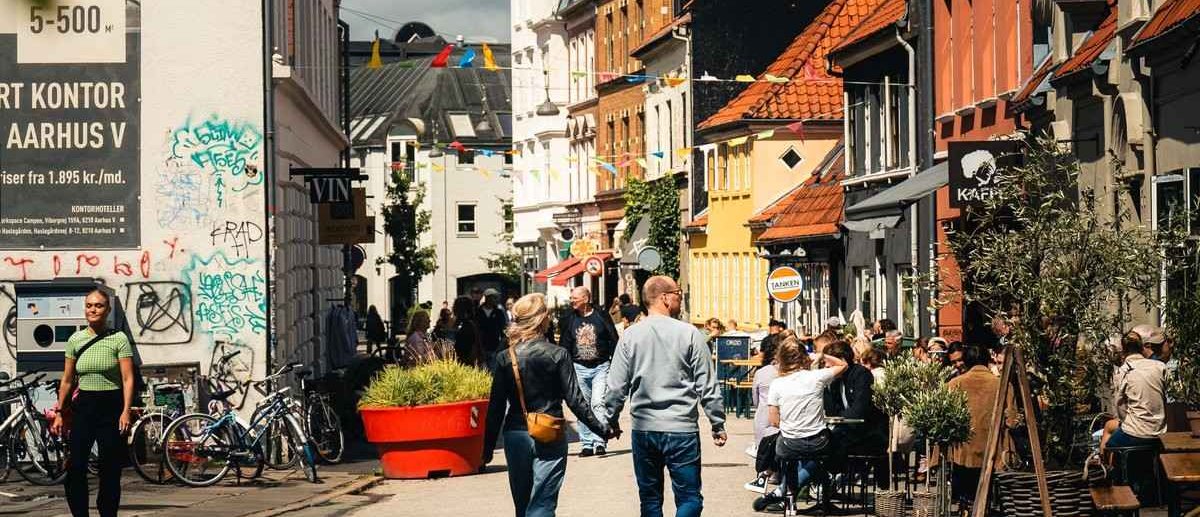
x=103 y=372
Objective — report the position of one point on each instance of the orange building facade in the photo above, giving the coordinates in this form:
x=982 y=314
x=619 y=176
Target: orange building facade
x=984 y=52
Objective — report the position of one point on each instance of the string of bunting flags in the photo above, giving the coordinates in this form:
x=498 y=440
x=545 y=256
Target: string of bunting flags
x=612 y=163
x=807 y=74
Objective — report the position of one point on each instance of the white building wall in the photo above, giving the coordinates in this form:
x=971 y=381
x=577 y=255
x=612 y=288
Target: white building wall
x=206 y=226
x=541 y=170
x=666 y=109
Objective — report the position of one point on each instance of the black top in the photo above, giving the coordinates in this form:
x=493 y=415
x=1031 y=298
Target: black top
x=491 y=330
x=630 y=312
x=548 y=378
x=849 y=396
x=590 y=339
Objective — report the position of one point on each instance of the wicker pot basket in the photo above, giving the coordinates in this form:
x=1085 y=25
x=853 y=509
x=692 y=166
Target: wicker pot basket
x=924 y=504
x=889 y=503
x=1016 y=493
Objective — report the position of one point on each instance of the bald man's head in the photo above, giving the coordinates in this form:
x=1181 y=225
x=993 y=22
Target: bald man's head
x=662 y=296
x=581 y=299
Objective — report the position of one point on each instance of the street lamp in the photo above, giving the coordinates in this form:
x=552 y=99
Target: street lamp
x=548 y=108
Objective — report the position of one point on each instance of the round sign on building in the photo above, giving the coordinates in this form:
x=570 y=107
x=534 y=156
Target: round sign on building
x=785 y=284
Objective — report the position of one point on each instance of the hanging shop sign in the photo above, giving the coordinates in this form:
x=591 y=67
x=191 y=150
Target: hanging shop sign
x=70 y=113
x=584 y=248
x=973 y=168
x=785 y=284
x=354 y=227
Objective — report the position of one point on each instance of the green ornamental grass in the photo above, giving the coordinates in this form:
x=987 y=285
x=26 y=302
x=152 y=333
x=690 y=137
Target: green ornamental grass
x=442 y=381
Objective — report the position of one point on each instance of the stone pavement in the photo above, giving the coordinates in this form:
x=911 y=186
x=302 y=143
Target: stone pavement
x=592 y=485
x=275 y=490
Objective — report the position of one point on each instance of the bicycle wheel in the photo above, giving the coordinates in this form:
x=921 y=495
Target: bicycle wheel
x=197 y=450
x=145 y=448
x=38 y=456
x=302 y=448
x=325 y=430
x=5 y=460
x=276 y=445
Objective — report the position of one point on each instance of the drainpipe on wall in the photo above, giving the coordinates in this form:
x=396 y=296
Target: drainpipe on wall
x=912 y=160
x=924 y=66
x=269 y=172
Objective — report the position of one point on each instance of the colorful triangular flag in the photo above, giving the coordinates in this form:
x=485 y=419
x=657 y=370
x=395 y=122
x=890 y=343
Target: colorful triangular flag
x=675 y=81
x=776 y=79
x=442 y=58
x=738 y=141
x=437 y=167
x=642 y=162
x=489 y=60
x=683 y=151
x=457 y=146
x=467 y=59
x=635 y=79
x=797 y=128
x=578 y=74
x=763 y=135
x=744 y=78
x=658 y=154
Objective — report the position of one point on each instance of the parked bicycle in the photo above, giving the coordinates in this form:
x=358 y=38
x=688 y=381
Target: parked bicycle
x=321 y=424
x=201 y=448
x=29 y=447
x=163 y=405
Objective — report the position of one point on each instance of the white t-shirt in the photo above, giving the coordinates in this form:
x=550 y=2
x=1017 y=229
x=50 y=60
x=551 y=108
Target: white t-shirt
x=801 y=405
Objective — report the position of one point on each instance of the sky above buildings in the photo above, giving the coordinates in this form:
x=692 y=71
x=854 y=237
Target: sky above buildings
x=477 y=20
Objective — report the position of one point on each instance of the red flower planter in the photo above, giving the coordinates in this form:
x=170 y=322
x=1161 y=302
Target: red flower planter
x=427 y=441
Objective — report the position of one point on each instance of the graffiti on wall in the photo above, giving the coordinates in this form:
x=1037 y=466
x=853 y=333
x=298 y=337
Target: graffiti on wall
x=226 y=150
x=84 y=264
x=228 y=298
x=237 y=236
x=228 y=371
x=184 y=195
x=159 y=313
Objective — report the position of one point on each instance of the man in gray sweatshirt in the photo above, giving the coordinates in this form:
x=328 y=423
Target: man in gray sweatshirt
x=664 y=367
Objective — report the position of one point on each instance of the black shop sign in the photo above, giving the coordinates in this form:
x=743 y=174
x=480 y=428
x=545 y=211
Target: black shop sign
x=974 y=166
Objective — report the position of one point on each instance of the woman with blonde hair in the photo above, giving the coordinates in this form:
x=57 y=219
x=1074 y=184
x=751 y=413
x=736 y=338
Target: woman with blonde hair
x=417 y=344
x=534 y=376
x=861 y=345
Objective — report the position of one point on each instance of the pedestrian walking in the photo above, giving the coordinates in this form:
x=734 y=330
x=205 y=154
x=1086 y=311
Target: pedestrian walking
x=532 y=380
x=99 y=362
x=663 y=366
x=466 y=332
x=491 y=320
x=416 y=344
x=376 y=331
x=590 y=337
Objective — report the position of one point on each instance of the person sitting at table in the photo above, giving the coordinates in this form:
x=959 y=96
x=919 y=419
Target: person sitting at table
x=849 y=396
x=1139 y=396
x=765 y=434
x=981 y=388
x=795 y=405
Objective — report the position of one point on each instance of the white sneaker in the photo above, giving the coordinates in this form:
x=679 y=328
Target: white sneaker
x=758 y=486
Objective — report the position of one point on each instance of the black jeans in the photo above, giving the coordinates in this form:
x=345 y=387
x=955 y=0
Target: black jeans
x=95 y=421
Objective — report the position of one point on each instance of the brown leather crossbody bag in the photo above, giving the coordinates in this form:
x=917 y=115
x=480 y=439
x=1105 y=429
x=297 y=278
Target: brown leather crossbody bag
x=543 y=428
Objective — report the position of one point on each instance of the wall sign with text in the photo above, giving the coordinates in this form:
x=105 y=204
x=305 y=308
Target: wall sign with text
x=70 y=104
x=973 y=167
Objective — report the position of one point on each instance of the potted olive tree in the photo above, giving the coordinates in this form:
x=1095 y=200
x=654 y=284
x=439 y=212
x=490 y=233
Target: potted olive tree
x=942 y=417
x=903 y=379
x=427 y=420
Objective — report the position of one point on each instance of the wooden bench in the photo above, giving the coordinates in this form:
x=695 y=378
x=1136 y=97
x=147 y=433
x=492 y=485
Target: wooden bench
x=1115 y=500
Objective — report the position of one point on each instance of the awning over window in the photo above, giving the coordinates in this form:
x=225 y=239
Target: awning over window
x=575 y=270
x=545 y=275
x=892 y=202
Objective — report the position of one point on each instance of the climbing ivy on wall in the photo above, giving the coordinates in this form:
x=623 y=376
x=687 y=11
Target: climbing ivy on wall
x=657 y=200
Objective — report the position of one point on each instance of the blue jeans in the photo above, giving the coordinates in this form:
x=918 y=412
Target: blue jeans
x=535 y=473
x=593 y=382
x=680 y=454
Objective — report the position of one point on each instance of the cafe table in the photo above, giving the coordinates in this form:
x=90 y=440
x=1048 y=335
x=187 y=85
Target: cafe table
x=1182 y=470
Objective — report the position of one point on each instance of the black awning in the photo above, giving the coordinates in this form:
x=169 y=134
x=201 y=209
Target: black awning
x=893 y=201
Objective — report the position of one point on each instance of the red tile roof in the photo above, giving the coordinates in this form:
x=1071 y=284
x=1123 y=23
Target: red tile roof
x=1030 y=87
x=812 y=209
x=699 y=222
x=887 y=14
x=1091 y=48
x=1170 y=15
x=811 y=93
x=661 y=34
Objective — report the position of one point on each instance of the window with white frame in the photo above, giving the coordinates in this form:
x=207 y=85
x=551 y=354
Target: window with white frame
x=466 y=218
x=906 y=293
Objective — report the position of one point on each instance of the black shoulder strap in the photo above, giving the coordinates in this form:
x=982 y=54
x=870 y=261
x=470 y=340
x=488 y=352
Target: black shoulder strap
x=102 y=335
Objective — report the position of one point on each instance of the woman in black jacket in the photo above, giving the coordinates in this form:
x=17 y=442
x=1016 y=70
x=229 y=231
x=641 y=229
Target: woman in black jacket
x=547 y=375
